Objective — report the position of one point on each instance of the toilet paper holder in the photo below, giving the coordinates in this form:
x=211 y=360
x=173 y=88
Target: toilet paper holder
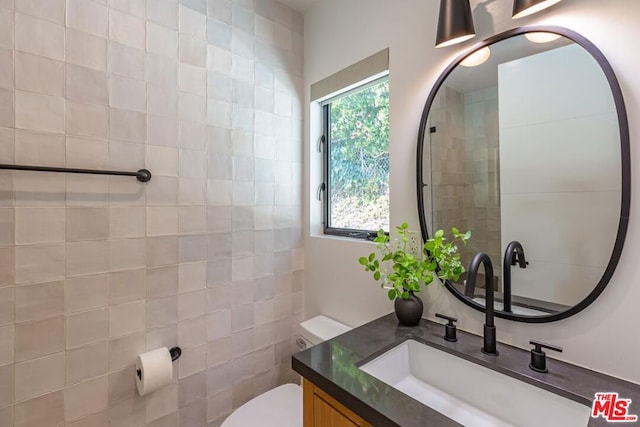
x=175 y=353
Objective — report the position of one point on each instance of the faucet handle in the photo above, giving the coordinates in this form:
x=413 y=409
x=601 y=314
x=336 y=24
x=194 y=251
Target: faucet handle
x=449 y=328
x=539 y=357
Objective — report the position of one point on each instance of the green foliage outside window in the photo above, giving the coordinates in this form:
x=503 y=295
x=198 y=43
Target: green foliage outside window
x=359 y=159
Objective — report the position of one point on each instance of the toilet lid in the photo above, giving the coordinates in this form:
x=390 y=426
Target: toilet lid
x=280 y=407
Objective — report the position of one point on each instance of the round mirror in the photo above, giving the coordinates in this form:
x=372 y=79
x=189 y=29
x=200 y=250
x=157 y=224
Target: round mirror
x=524 y=141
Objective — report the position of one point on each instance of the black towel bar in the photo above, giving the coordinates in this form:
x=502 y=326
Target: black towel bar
x=143 y=175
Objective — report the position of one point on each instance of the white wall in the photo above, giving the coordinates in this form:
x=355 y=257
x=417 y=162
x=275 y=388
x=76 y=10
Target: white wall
x=560 y=172
x=341 y=32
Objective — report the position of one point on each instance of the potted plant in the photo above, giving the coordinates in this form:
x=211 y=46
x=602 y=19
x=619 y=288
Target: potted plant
x=403 y=273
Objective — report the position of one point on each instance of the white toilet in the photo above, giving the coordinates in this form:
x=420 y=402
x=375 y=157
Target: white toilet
x=282 y=406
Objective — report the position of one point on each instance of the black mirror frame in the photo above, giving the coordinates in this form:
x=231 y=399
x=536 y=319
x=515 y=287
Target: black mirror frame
x=625 y=151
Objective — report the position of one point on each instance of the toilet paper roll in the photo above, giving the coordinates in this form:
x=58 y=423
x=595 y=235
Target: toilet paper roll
x=154 y=369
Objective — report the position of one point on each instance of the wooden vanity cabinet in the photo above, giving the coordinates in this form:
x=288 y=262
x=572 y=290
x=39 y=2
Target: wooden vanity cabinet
x=322 y=410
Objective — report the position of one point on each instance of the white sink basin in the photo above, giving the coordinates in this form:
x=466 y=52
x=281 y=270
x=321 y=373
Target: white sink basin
x=469 y=393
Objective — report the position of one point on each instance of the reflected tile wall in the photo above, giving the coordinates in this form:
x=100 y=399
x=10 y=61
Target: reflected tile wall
x=448 y=160
x=465 y=168
x=482 y=171
x=93 y=270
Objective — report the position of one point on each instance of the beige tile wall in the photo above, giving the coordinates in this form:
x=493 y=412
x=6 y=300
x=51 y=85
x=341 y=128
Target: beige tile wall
x=96 y=269
x=447 y=163
x=465 y=172
x=482 y=172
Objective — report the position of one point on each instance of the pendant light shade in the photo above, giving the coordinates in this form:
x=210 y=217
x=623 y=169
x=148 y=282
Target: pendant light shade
x=455 y=23
x=522 y=8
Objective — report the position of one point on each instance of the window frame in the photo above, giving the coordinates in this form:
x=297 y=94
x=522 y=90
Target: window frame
x=325 y=143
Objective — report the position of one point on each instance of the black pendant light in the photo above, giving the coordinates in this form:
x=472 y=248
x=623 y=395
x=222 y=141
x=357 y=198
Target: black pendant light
x=522 y=8
x=455 y=23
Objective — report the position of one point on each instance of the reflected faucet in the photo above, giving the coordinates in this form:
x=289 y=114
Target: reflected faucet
x=514 y=254
x=490 y=346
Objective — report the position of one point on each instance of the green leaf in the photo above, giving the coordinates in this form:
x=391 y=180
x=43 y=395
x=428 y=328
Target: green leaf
x=406 y=272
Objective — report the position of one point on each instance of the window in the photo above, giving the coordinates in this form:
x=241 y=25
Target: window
x=356 y=161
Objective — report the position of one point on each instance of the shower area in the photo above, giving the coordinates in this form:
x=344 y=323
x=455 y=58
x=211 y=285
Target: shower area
x=465 y=168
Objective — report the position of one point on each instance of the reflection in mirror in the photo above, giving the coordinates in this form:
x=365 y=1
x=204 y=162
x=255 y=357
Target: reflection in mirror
x=525 y=146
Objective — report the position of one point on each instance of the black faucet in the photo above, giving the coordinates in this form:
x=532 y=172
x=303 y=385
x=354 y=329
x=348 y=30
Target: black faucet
x=514 y=254
x=489 y=327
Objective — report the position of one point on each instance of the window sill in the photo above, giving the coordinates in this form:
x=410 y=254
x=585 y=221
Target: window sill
x=333 y=237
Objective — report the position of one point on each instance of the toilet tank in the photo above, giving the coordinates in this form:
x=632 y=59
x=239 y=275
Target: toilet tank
x=318 y=329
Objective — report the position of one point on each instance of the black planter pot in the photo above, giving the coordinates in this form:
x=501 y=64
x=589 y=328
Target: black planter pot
x=409 y=311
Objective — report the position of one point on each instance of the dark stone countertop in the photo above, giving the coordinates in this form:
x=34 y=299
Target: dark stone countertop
x=333 y=366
